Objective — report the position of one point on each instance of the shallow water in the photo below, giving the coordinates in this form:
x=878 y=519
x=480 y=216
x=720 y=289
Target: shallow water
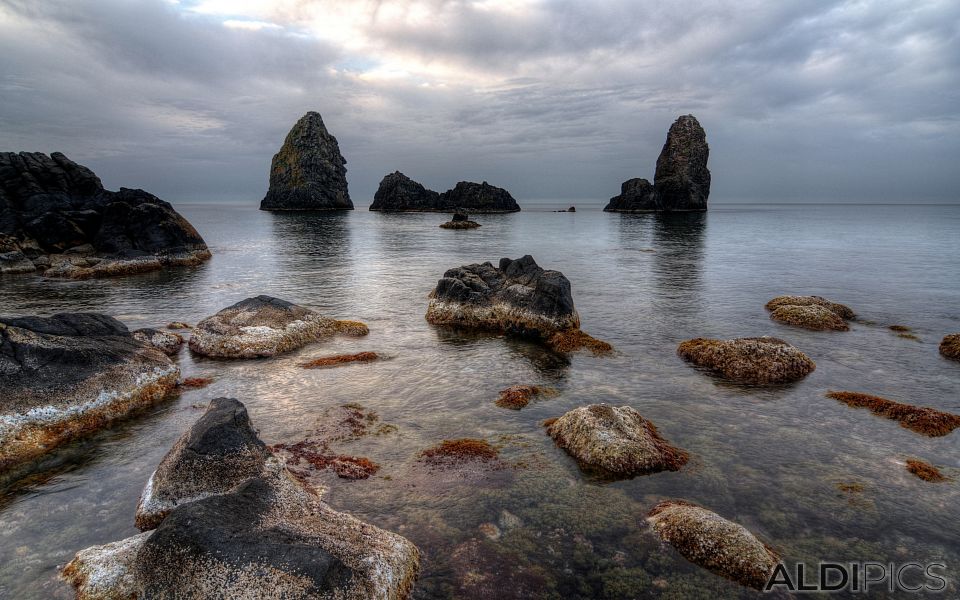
x=770 y=458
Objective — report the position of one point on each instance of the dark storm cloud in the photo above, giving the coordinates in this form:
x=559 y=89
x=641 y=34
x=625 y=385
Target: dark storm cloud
x=801 y=101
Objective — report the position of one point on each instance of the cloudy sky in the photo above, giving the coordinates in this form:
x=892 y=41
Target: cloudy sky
x=801 y=100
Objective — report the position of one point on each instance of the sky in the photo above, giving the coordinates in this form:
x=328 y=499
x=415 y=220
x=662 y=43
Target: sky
x=802 y=100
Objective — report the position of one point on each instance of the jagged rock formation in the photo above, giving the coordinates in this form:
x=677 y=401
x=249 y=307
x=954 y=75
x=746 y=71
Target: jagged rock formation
x=615 y=441
x=56 y=217
x=705 y=538
x=308 y=173
x=681 y=181
x=69 y=375
x=518 y=297
x=397 y=192
x=757 y=361
x=264 y=326
x=229 y=521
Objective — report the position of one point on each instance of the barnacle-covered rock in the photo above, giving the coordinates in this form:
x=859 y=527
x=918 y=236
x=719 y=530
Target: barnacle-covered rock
x=760 y=360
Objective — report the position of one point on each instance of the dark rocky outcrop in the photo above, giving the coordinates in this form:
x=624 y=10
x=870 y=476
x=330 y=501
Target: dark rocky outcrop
x=705 y=538
x=615 y=441
x=236 y=523
x=460 y=220
x=69 y=375
x=56 y=217
x=308 y=173
x=264 y=326
x=681 y=181
x=397 y=192
x=479 y=198
x=757 y=361
x=518 y=297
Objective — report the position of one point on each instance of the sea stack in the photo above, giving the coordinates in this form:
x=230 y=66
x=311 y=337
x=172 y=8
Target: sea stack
x=681 y=181
x=308 y=173
x=399 y=193
x=56 y=217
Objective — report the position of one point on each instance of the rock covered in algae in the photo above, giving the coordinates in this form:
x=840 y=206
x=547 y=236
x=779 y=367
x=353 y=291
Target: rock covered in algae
x=810 y=312
x=925 y=470
x=56 y=217
x=264 y=326
x=308 y=172
x=705 y=538
x=517 y=396
x=615 y=441
x=516 y=297
x=165 y=341
x=922 y=419
x=950 y=346
x=759 y=360
x=268 y=536
x=68 y=375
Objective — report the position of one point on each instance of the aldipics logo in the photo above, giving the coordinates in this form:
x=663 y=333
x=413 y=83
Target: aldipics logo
x=910 y=577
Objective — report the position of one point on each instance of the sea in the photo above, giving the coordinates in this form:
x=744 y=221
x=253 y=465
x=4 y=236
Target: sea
x=813 y=478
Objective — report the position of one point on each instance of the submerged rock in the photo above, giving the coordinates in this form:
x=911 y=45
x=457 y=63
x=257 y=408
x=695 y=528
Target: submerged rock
x=925 y=471
x=308 y=173
x=264 y=326
x=681 y=181
x=760 y=360
x=397 y=192
x=56 y=217
x=246 y=529
x=517 y=396
x=460 y=220
x=69 y=375
x=518 y=297
x=615 y=441
x=705 y=538
x=950 y=346
x=165 y=341
x=810 y=312
x=340 y=359
x=922 y=419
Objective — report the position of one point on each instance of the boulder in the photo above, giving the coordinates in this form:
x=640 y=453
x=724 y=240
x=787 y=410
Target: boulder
x=460 y=220
x=242 y=526
x=615 y=441
x=55 y=216
x=308 y=173
x=705 y=538
x=70 y=375
x=759 y=360
x=681 y=181
x=479 y=198
x=165 y=341
x=950 y=346
x=810 y=312
x=264 y=326
x=397 y=192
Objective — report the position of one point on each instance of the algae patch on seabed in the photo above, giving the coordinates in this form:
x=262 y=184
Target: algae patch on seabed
x=925 y=470
x=517 y=396
x=922 y=419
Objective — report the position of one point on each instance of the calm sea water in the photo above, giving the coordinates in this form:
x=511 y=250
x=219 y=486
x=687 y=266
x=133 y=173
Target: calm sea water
x=771 y=459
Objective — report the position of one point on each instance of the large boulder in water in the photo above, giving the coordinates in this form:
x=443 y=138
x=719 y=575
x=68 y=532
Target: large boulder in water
x=308 y=173
x=757 y=361
x=681 y=181
x=516 y=297
x=950 y=346
x=243 y=527
x=705 y=538
x=397 y=192
x=264 y=326
x=615 y=441
x=479 y=198
x=56 y=216
x=69 y=375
